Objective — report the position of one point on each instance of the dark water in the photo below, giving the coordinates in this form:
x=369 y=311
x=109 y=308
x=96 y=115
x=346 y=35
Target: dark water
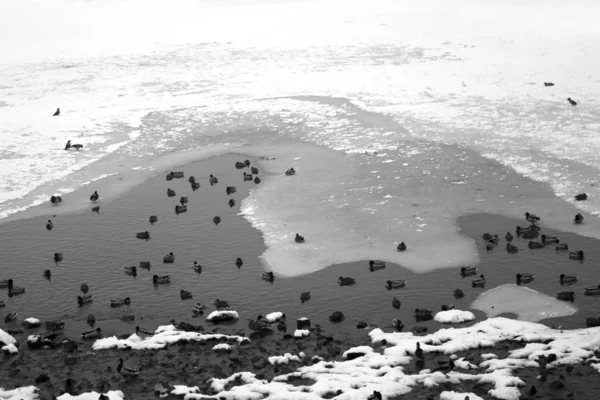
x=96 y=247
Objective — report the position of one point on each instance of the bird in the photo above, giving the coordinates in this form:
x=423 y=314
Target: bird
x=478 y=281
x=548 y=84
x=304 y=297
x=419 y=351
x=448 y=307
x=84 y=288
x=397 y=324
x=567 y=279
x=375 y=265
x=49 y=225
x=139 y=330
x=85 y=299
x=221 y=304
x=395 y=284
x=131 y=270
x=511 y=248
x=562 y=246
x=94 y=197
x=127 y=372
x=508 y=237
x=299 y=239
x=160 y=280
x=47 y=274
x=260 y=325
x=197 y=267
x=184 y=294
x=93 y=334
x=396 y=303
x=401 y=246
x=524 y=278
x=578 y=218
x=346 y=281
x=56 y=113
x=532 y=218
x=467 y=271
x=375 y=396
x=239 y=262
x=571 y=101
x=268 y=276
x=11 y=316
x=120 y=302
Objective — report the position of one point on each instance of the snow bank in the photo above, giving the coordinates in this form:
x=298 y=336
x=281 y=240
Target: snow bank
x=454 y=316
x=22 y=393
x=382 y=370
x=163 y=336
x=526 y=303
x=301 y=333
x=284 y=359
x=112 y=395
x=9 y=343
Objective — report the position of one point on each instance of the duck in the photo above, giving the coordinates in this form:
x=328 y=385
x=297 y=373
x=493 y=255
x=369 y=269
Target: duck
x=47 y=274
x=578 y=218
x=548 y=84
x=468 y=271
x=58 y=257
x=571 y=101
x=395 y=284
x=230 y=190
x=576 y=255
x=478 y=281
x=127 y=372
x=14 y=290
x=94 y=197
x=487 y=236
x=299 y=239
x=120 y=302
x=85 y=299
x=221 y=304
x=254 y=170
x=213 y=180
x=2 y=303
x=161 y=280
x=239 y=262
x=549 y=239
x=494 y=239
x=217 y=220
x=198 y=308
x=183 y=200
x=171 y=193
x=192 y=179
x=169 y=258
x=184 y=294
x=375 y=396
x=268 y=276
x=49 y=225
x=566 y=296
x=508 y=237
x=511 y=248
x=376 y=265
x=490 y=245
x=290 y=172
x=346 y=281
x=180 y=209
x=92 y=334
x=146 y=332
x=401 y=247
x=423 y=312
x=529 y=234
x=445 y=367
x=458 y=294
x=535 y=245
x=524 y=278
x=567 y=279
x=247 y=177
x=143 y=235
x=282 y=326
x=256 y=180
x=132 y=270
x=195 y=185
x=4 y=283
x=55 y=200
x=592 y=291
x=447 y=307
x=419 y=351
x=11 y=316
x=532 y=218
x=304 y=297
x=396 y=303
x=84 y=288
x=197 y=267
x=562 y=246
x=397 y=324
x=56 y=114
x=258 y=326
x=231 y=202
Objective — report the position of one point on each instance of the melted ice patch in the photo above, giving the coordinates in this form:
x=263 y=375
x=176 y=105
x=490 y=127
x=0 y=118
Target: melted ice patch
x=526 y=303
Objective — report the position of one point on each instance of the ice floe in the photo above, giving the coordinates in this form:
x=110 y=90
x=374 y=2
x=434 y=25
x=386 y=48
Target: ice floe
x=22 y=393
x=275 y=316
x=164 y=336
x=526 y=303
x=454 y=316
x=381 y=370
x=7 y=342
x=111 y=394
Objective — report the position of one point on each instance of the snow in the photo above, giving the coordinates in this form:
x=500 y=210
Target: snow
x=221 y=346
x=359 y=349
x=284 y=359
x=9 y=342
x=274 y=316
x=451 y=395
x=164 y=336
x=32 y=321
x=22 y=393
x=112 y=395
x=301 y=333
x=222 y=314
x=454 y=316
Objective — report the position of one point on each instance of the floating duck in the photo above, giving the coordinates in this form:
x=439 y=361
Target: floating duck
x=396 y=303
x=571 y=101
x=397 y=324
x=256 y=180
x=376 y=265
x=562 y=246
x=222 y=305
x=217 y=220
x=576 y=255
x=161 y=280
x=468 y=271
x=532 y=218
x=511 y=248
x=346 y=281
x=401 y=247
x=448 y=307
x=290 y=172
x=268 y=276
x=47 y=274
x=239 y=262
x=92 y=334
x=85 y=299
x=14 y=290
x=254 y=170
x=299 y=239
x=180 y=209
x=487 y=236
x=127 y=371
x=213 y=180
x=508 y=237
x=143 y=331
x=94 y=197
x=195 y=185
x=395 y=284
x=230 y=190
x=131 y=270
x=171 y=193
x=143 y=235
x=548 y=84
x=478 y=282
x=490 y=245
x=198 y=308
x=11 y=316
x=549 y=239
x=55 y=200
x=567 y=279
x=153 y=219
x=231 y=202
x=120 y=302
x=423 y=312
x=2 y=303
x=592 y=291
x=183 y=200
x=535 y=245
x=169 y=258
x=578 y=218
x=197 y=267
x=458 y=294
x=566 y=296
x=49 y=225
x=184 y=294
x=524 y=278
x=84 y=288
x=58 y=257
x=304 y=297
x=258 y=326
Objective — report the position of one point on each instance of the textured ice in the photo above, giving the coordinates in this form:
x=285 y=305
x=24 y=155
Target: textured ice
x=526 y=303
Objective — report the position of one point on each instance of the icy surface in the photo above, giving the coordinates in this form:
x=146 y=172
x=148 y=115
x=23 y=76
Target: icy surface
x=453 y=316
